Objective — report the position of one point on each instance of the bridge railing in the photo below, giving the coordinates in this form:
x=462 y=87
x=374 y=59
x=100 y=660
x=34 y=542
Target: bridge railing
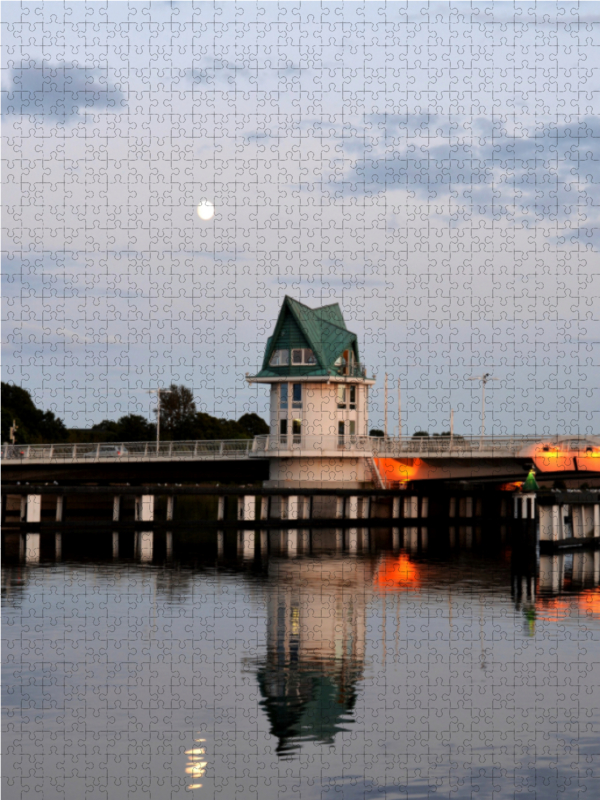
x=296 y=444
x=406 y=446
x=129 y=451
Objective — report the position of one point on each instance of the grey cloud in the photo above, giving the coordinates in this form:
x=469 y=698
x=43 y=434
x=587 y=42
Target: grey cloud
x=60 y=92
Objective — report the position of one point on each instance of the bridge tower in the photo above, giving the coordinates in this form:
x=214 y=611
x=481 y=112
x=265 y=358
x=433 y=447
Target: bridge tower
x=319 y=400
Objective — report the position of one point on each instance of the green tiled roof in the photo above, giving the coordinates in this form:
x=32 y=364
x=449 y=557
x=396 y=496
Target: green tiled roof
x=323 y=330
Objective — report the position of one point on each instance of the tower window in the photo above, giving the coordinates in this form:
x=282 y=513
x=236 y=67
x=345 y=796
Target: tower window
x=280 y=358
x=283 y=395
x=341 y=396
x=353 y=397
x=303 y=356
x=296 y=395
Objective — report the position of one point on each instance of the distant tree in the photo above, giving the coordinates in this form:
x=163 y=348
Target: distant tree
x=376 y=432
x=108 y=430
x=135 y=428
x=34 y=425
x=130 y=428
x=253 y=425
x=419 y=433
x=177 y=410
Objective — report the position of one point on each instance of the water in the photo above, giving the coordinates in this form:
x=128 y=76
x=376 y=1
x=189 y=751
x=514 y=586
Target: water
x=345 y=664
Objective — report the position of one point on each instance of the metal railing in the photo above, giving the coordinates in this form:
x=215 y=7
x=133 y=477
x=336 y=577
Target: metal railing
x=296 y=444
x=130 y=451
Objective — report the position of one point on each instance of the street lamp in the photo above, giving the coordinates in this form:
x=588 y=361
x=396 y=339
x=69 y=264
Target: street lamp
x=158 y=391
x=484 y=379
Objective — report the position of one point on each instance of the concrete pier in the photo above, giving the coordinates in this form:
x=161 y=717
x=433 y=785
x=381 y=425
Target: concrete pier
x=144 y=508
x=32 y=548
x=60 y=508
x=144 y=546
x=246 y=507
x=170 y=508
x=245 y=544
x=33 y=508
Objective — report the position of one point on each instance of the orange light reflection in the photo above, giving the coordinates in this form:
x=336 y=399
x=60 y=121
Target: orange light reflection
x=397 y=572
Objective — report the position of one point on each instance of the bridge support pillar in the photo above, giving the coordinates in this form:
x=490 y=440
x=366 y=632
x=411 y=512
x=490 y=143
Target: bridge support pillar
x=292 y=542
x=264 y=508
x=246 y=507
x=33 y=508
x=597 y=520
x=395 y=539
x=424 y=507
x=115 y=544
x=549 y=523
x=170 y=507
x=221 y=508
x=396 y=508
x=116 y=508
x=366 y=507
x=144 y=508
x=292 y=510
x=352 y=510
x=144 y=545
x=60 y=508
x=58 y=546
x=32 y=548
x=220 y=544
x=169 y=545
x=525 y=506
x=352 y=540
x=339 y=508
x=245 y=544
x=305 y=504
x=264 y=543
x=411 y=507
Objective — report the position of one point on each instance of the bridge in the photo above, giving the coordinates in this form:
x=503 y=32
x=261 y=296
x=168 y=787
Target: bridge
x=394 y=460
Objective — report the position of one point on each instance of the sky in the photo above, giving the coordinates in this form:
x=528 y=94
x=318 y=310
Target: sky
x=431 y=167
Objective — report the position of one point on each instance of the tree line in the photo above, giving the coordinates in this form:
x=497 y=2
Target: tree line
x=179 y=419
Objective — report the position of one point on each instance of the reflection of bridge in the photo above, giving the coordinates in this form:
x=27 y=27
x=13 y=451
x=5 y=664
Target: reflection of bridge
x=392 y=460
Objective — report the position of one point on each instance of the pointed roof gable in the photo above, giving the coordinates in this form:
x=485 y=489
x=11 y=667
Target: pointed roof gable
x=323 y=330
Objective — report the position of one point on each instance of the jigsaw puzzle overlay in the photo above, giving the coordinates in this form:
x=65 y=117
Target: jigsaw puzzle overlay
x=171 y=172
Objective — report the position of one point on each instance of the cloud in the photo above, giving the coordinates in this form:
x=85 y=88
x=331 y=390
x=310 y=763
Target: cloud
x=59 y=92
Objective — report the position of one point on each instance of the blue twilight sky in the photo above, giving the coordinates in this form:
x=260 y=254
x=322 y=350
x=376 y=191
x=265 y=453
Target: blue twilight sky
x=432 y=167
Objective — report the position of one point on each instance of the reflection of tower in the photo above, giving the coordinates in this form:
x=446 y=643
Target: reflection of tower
x=316 y=629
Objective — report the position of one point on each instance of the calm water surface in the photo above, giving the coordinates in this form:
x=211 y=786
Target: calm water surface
x=335 y=665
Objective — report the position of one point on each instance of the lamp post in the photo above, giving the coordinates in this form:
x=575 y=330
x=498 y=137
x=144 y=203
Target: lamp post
x=487 y=376
x=158 y=391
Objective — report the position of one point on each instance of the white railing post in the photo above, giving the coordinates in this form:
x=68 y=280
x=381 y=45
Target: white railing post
x=74 y=455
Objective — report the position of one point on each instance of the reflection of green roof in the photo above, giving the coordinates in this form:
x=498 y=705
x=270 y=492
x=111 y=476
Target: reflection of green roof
x=304 y=702
x=323 y=330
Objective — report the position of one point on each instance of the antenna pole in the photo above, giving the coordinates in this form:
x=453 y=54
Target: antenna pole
x=158 y=420
x=399 y=408
x=385 y=402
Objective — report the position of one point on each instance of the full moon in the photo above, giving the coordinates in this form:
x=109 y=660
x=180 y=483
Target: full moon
x=206 y=210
